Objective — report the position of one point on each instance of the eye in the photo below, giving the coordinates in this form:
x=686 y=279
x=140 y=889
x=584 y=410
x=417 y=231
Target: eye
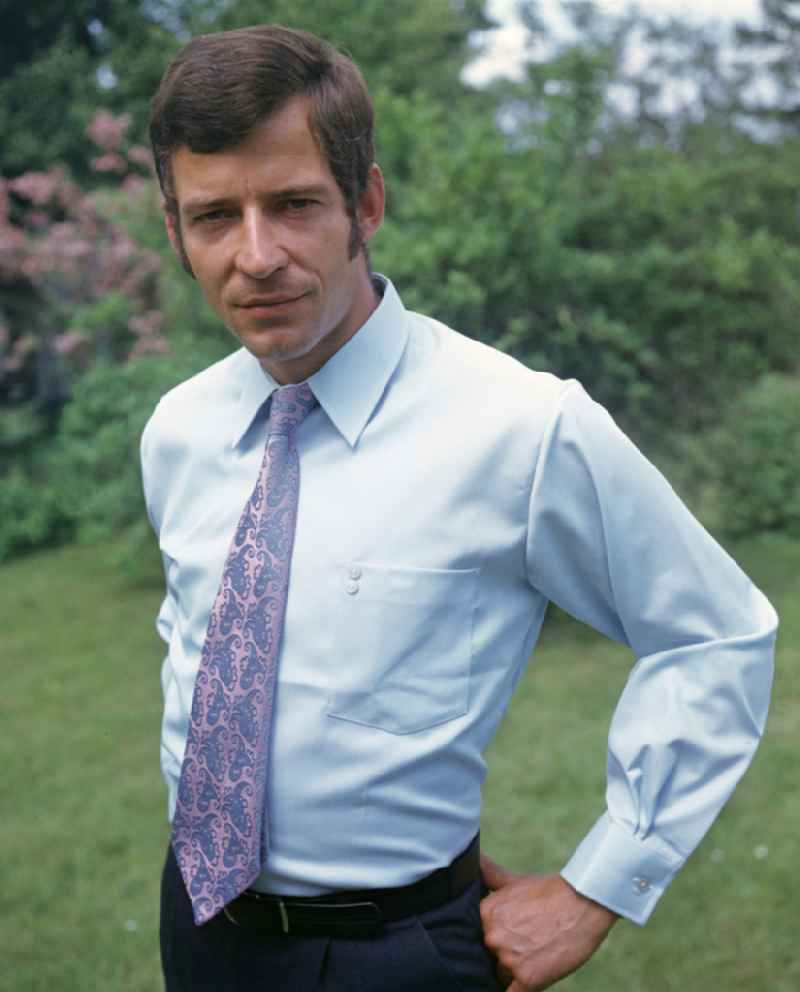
x=210 y=216
x=298 y=204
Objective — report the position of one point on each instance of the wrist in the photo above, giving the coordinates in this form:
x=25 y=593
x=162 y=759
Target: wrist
x=603 y=914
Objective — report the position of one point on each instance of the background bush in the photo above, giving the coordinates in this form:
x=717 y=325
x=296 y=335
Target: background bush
x=95 y=458
x=85 y=482
x=756 y=455
x=648 y=248
x=31 y=515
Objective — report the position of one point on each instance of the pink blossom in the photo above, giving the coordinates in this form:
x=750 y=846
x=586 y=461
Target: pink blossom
x=141 y=156
x=68 y=343
x=12 y=240
x=12 y=364
x=123 y=248
x=149 y=346
x=134 y=186
x=147 y=324
x=108 y=131
x=85 y=254
x=77 y=249
x=24 y=345
x=109 y=162
x=65 y=241
x=34 y=267
x=147 y=264
x=84 y=211
x=70 y=197
x=22 y=348
x=38 y=187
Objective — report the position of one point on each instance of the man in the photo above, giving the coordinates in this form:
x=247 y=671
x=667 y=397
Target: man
x=363 y=515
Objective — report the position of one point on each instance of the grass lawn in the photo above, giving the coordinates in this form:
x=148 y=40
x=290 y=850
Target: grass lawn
x=83 y=829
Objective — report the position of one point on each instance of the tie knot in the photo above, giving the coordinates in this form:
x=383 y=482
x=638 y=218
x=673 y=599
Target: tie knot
x=290 y=407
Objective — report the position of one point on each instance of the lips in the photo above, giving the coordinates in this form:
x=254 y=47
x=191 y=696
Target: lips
x=256 y=302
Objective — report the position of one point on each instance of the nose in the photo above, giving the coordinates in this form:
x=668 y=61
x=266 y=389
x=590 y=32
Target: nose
x=261 y=251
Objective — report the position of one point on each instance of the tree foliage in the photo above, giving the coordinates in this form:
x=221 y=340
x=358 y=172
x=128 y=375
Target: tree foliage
x=775 y=43
x=755 y=455
x=582 y=218
x=60 y=60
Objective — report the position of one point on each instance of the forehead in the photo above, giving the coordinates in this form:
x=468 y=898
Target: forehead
x=280 y=152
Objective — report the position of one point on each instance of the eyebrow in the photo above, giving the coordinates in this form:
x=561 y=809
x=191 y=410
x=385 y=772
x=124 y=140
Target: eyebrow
x=300 y=192
x=200 y=204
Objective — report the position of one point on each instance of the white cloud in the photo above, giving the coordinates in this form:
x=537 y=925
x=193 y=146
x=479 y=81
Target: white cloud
x=506 y=46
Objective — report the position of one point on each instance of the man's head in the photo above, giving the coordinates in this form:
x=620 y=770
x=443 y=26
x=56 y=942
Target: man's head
x=220 y=86
x=263 y=144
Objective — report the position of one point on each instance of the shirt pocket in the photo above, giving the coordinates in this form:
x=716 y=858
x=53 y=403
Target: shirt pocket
x=405 y=637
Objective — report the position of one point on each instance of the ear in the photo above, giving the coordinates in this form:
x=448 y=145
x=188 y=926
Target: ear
x=372 y=204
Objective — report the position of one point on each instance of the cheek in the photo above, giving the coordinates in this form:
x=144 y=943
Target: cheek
x=208 y=276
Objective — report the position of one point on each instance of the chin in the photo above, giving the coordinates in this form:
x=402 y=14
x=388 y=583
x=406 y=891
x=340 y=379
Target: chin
x=271 y=342
x=278 y=351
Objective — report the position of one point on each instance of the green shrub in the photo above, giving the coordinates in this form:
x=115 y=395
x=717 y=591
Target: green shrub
x=31 y=516
x=95 y=461
x=85 y=482
x=756 y=455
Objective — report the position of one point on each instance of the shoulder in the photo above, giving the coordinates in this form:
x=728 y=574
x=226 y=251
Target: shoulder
x=218 y=383
x=484 y=378
x=186 y=425
x=187 y=408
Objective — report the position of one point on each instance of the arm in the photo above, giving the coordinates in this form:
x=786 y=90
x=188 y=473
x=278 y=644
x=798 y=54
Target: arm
x=611 y=543
x=153 y=499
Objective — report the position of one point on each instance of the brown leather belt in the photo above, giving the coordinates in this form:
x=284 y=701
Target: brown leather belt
x=353 y=913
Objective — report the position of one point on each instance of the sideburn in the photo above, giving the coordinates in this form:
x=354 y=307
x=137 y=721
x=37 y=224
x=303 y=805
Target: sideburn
x=182 y=256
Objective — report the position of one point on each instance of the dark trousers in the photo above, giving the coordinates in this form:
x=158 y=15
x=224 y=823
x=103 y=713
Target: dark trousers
x=438 y=951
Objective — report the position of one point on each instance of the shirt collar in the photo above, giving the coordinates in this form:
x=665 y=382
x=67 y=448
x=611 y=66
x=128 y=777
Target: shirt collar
x=352 y=381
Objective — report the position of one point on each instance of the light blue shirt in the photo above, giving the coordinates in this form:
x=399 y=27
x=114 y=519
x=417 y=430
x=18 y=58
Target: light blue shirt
x=447 y=493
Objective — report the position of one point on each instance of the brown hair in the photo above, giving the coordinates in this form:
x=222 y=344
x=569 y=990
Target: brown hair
x=220 y=86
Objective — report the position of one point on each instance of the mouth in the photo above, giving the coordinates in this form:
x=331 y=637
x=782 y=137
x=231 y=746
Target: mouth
x=268 y=303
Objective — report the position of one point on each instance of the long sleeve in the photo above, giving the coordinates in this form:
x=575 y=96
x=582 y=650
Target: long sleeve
x=611 y=543
x=165 y=619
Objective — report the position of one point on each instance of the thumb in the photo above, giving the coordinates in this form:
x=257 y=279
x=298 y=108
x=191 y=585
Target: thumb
x=494 y=875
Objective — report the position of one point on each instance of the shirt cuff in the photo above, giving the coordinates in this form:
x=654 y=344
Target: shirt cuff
x=621 y=871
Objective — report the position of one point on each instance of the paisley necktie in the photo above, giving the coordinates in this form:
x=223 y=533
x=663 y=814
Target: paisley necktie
x=220 y=831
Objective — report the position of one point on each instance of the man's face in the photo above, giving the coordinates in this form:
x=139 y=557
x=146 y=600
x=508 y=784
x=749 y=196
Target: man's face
x=265 y=229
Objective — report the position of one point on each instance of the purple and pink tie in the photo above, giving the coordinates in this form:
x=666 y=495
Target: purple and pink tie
x=220 y=831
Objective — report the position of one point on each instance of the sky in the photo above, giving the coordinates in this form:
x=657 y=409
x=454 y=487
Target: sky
x=507 y=44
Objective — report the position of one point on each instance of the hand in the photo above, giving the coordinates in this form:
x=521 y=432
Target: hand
x=538 y=927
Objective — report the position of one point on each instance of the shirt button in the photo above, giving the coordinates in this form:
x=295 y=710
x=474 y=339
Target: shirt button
x=641 y=885
x=352 y=588
x=355 y=572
